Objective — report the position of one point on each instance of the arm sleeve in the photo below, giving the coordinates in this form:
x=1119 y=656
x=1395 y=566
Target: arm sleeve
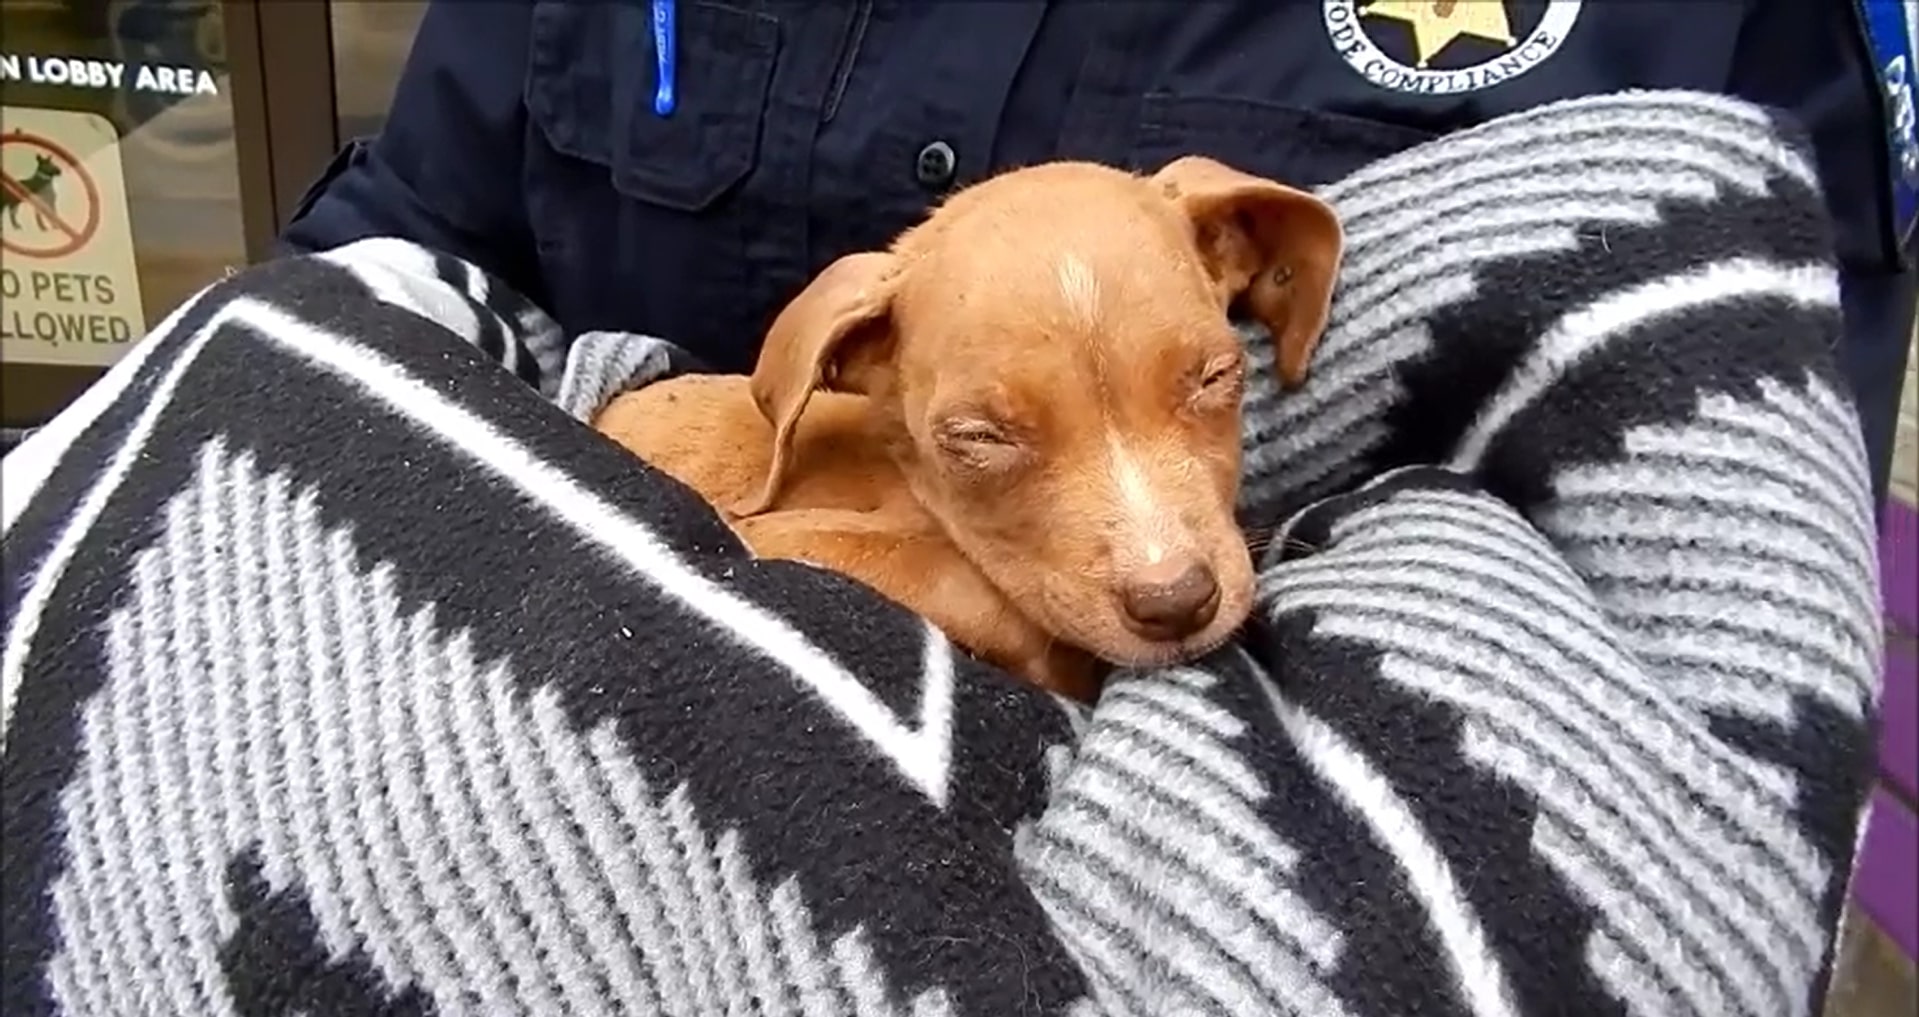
x=444 y=172
x=1814 y=62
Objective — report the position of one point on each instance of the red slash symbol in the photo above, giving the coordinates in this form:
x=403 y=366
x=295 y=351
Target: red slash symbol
x=35 y=174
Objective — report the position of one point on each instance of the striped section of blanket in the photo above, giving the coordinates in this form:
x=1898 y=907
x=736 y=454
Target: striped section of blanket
x=346 y=672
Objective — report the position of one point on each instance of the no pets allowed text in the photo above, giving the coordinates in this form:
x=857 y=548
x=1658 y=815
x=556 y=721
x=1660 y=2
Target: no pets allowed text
x=74 y=322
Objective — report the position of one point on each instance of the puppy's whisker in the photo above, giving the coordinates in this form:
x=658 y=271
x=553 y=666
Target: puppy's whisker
x=1259 y=545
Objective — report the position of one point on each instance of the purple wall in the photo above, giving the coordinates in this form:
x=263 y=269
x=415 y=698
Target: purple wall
x=1887 y=882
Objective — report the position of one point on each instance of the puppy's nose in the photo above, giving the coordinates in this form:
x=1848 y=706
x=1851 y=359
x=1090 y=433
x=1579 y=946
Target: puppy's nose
x=1170 y=600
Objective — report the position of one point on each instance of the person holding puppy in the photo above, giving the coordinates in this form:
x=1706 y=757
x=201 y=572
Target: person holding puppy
x=351 y=672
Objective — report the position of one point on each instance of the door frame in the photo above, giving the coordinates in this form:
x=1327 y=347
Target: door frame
x=285 y=124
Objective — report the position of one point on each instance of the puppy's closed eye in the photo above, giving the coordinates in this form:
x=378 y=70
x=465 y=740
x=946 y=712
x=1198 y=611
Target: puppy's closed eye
x=977 y=443
x=1218 y=381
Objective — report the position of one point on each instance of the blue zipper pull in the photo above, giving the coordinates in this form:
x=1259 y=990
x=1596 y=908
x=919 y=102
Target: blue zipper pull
x=665 y=45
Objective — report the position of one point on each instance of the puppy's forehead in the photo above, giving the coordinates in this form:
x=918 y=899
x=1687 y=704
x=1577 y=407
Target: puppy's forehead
x=1044 y=213
x=1080 y=287
x=1076 y=280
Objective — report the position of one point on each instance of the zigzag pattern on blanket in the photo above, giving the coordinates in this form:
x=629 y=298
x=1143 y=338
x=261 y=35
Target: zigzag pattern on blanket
x=418 y=779
x=1154 y=859
x=1639 y=807
x=1461 y=252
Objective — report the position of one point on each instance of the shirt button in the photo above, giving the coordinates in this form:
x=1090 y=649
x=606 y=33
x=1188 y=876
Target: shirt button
x=935 y=167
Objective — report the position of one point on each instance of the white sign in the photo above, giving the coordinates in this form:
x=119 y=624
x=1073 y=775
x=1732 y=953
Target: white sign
x=69 y=284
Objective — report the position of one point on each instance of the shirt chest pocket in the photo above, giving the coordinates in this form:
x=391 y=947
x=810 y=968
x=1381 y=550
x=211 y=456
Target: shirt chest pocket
x=592 y=75
x=1301 y=147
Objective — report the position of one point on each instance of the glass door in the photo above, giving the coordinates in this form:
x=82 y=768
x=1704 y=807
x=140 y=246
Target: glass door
x=148 y=147
x=370 y=43
x=120 y=191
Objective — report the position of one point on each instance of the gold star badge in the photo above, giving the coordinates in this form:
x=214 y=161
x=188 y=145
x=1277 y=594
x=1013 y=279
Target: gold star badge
x=1436 y=23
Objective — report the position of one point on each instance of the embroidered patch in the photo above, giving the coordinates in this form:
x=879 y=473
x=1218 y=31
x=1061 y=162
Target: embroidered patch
x=1442 y=47
x=1891 y=24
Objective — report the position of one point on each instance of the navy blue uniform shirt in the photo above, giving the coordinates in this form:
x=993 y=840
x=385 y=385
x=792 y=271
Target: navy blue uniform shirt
x=524 y=136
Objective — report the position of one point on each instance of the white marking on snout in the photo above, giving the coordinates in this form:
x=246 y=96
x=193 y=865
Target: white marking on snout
x=1079 y=286
x=1146 y=515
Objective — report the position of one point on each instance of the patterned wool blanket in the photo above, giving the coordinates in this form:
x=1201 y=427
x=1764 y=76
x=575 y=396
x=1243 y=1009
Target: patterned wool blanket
x=348 y=673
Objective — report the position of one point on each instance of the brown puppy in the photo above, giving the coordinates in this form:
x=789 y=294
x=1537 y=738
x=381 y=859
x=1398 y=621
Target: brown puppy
x=1022 y=421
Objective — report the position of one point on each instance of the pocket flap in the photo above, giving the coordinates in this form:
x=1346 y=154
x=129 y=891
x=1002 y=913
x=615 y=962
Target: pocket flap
x=591 y=75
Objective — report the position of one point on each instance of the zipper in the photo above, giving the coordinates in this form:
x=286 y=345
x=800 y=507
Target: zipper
x=849 y=55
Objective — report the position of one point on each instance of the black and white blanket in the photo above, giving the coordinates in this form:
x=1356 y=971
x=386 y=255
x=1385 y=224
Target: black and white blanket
x=347 y=673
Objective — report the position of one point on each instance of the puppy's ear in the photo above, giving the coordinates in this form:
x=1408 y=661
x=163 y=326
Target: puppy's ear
x=837 y=335
x=1273 y=247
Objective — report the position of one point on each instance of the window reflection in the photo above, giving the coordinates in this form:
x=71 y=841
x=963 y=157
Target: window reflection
x=117 y=150
x=370 y=43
